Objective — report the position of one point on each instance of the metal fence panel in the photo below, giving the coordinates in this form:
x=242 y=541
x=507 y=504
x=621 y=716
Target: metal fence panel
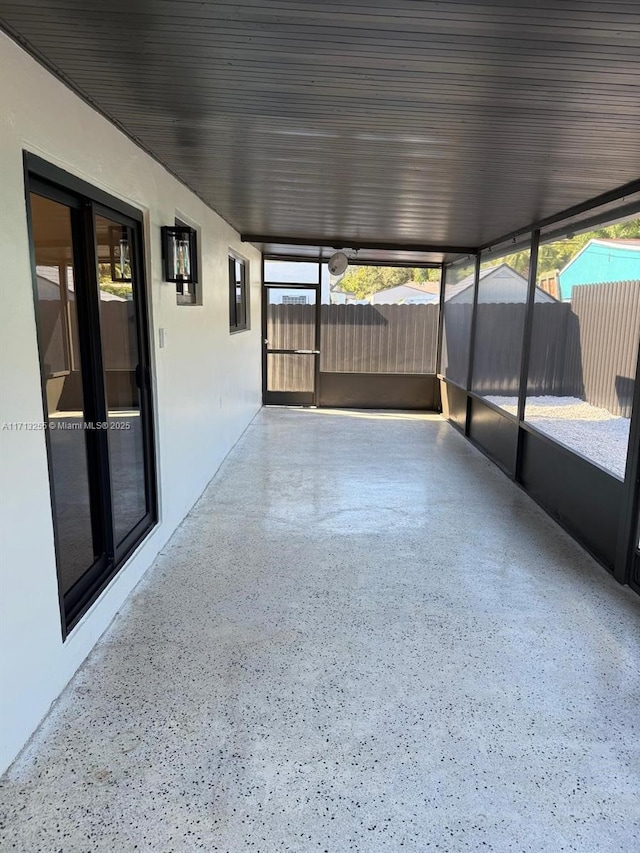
x=585 y=349
x=609 y=323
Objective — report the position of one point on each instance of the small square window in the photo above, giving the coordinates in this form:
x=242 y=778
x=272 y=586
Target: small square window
x=238 y=303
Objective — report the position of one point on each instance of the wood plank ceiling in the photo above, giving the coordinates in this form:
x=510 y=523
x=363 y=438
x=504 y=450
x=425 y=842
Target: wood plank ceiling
x=377 y=121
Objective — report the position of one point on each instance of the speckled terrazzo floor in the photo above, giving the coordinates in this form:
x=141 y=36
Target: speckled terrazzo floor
x=363 y=637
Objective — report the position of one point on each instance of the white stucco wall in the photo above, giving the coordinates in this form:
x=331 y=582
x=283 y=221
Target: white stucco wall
x=207 y=382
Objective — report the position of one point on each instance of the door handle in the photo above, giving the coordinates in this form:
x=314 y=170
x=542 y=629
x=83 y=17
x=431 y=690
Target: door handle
x=307 y=351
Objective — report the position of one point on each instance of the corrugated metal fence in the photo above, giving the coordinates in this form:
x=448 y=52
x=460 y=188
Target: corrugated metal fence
x=497 y=354
x=379 y=338
x=291 y=326
x=608 y=320
x=360 y=338
x=586 y=349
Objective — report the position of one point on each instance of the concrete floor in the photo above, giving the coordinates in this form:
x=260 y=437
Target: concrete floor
x=364 y=637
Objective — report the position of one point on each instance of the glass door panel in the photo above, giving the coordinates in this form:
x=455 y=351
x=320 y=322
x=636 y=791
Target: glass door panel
x=291 y=272
x=122 y=374
x=78 y=544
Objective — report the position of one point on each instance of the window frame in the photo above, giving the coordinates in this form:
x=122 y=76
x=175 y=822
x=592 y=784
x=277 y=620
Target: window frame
x=236 y=325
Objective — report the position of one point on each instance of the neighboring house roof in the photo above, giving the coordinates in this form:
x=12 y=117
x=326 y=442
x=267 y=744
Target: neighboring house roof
x=411 y=291
x=452 y=290
x=422 y=286
x=501 y=283
x=425 y=286
x=601 y=261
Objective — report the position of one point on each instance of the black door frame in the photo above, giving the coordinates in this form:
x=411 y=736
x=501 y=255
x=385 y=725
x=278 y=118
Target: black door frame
x=291 y=398
x=85 y=201
x=627 y=568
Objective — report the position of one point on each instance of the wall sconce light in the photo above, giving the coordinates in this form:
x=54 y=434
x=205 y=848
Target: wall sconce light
x=120 y=253
x=179 y=254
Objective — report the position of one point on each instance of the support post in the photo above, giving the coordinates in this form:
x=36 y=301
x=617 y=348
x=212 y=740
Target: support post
x=526 y=345
x=472 y=340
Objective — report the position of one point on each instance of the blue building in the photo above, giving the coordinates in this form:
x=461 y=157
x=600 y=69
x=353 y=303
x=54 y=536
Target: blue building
x=601 y=261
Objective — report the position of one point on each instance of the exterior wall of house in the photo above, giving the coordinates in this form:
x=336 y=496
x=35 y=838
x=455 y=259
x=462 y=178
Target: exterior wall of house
x=207 y=383
x=599 y=263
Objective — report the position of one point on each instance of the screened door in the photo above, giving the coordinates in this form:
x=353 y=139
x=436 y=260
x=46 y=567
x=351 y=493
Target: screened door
x=291 y=344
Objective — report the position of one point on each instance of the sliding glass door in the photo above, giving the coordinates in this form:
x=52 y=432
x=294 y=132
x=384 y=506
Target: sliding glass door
x=92 y=337
x=79 y=540
x=120 y=338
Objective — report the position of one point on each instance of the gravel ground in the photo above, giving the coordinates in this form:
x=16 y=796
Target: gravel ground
x=595 y=433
